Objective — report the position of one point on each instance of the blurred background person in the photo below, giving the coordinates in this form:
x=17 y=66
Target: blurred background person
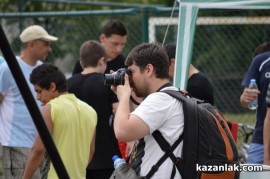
x=198 y=85
x=266 y=130
x=17 y=129
x=89 y=87
x=113 y=39
x=259 y=70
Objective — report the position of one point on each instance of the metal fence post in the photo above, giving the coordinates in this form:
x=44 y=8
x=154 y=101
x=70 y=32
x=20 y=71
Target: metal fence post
x=145 y=17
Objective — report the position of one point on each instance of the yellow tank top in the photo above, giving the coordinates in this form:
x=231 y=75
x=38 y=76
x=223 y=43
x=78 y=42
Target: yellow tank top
x=74 y=123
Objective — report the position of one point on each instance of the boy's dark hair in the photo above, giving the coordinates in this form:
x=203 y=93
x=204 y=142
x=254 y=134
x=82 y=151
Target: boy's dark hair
x=46 y=74
x=90 y=53
x=170 y=49
x=154 y=54
x=264 y=47
x=114 y=26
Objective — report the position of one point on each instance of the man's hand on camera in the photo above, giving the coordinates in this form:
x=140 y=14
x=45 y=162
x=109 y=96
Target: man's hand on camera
x=122 y=91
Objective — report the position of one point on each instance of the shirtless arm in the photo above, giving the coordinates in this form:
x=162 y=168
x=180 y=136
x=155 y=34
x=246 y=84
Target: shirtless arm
x=38 y=150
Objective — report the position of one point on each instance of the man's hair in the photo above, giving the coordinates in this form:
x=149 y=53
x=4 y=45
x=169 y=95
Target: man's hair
x=46 y=74
x=170 y=49
x=264 y=47
x=90 y=53
x=114 y=27
x=154 y=54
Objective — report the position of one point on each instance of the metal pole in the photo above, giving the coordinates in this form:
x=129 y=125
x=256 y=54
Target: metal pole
x=69 y=13
x=98 y=3
x=145 y=17
x=21 y=4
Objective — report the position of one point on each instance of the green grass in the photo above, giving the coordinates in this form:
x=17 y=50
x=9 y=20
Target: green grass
x=246 y=118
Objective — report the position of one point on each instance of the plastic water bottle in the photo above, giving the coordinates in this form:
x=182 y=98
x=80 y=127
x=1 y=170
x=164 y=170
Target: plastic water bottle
x=117 y=162
x=254 y=104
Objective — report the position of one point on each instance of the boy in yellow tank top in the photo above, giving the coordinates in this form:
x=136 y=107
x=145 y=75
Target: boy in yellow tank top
x=71 y=122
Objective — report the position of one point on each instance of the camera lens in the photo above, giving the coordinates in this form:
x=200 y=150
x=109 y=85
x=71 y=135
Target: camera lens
x=116 y=78
x=108 y=79
x=119 y=80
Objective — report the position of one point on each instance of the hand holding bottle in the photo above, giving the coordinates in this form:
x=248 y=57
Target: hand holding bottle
x=253 y=104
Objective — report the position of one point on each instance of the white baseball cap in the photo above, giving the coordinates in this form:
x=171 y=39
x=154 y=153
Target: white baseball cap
x=36 y=32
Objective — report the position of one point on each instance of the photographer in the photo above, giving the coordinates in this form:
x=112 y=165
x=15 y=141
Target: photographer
x=149 y=73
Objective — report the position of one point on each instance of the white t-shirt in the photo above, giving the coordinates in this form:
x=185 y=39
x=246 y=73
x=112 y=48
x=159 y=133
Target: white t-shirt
x=160 y=112
x=16 y=126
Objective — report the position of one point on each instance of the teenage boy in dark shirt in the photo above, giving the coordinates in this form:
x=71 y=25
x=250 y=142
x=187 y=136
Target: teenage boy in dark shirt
x=89 y=87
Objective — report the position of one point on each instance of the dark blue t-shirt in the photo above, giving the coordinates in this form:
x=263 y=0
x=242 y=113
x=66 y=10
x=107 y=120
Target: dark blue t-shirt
x=259 y=70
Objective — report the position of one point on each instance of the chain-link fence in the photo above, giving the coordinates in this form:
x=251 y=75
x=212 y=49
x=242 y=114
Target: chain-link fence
x=223 y=48
x=223 y=44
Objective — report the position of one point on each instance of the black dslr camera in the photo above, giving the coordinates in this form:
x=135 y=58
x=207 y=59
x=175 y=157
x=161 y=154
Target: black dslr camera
x=116 y=78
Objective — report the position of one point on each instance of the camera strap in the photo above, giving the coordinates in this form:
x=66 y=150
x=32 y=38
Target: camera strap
x=134 y=101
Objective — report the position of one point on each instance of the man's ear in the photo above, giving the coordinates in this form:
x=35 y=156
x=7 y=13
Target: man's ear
x=53 y=87
x=101 y=61
x=149 y=69
x=30 y=43
x=80 y=62
x=102 y=38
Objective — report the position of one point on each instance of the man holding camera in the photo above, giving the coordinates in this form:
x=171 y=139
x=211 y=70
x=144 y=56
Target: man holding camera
x=149 y=74
x=89 y=87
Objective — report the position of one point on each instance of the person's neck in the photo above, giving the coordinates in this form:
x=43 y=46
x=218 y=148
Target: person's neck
x=62 y=93
x=28 y=59
x=157 y=84
x=192 y=70
x=109 y=59
x=57 y=94
x=89 y=70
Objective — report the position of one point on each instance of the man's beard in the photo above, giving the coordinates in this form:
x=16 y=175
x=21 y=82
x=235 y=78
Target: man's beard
x=139 y=94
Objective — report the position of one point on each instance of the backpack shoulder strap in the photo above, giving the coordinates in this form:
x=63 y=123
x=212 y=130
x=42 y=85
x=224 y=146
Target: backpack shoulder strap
x=191 y=128
x=165 y=146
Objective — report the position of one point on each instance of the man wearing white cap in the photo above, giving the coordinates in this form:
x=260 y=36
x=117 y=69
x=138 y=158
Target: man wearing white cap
x=17 y=129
